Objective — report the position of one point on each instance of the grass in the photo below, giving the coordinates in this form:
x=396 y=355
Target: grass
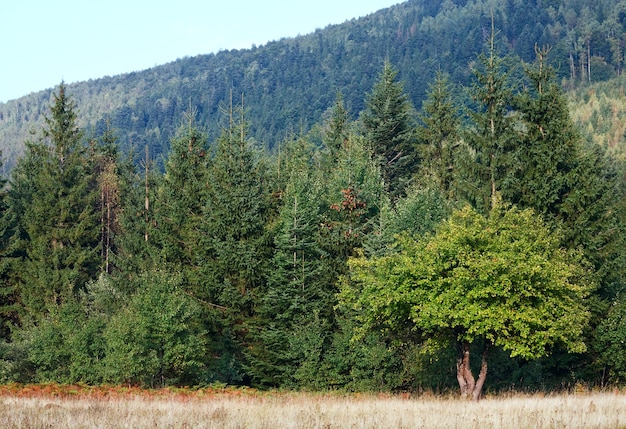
x=83 y=407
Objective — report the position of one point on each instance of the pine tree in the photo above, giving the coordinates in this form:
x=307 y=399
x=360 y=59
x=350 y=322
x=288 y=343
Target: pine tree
x=52 y=203
x=389 y=130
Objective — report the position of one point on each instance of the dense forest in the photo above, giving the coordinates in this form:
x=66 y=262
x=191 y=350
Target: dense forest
x=382 y=245
x=290 y=83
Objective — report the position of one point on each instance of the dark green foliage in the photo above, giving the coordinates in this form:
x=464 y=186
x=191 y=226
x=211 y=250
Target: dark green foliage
x=222 y=264
x=298 y=291
x=609 y=343
x=52 y=200
x=389 y=130
x=491 y=136
x=439 y=136
x=337 y=127
x=292 y=81
x=157 y=339
x=549 y=147
x=236 y=242
x=179 y=208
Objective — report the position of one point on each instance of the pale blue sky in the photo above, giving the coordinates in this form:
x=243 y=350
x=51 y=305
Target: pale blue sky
x=45 y=41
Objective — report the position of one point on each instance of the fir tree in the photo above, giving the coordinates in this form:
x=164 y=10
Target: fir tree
x=548 y=148
x=297 y=290
x=235 y=243
x=337 y=127
x=182 y=196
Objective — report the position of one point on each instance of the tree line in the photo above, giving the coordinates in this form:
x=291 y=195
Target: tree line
x=290 y=83
x=372 y=253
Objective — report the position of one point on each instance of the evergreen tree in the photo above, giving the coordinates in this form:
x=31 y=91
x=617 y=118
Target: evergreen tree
x=7 y=290
x=389 y=130
x=297 y=291
x=52 y=199
x=182 y=196
x=106 y=165
x=548 y=149
x=492 y=135
x=136 y=242
x=439 y=136
x=236 y=244
x=337 y=127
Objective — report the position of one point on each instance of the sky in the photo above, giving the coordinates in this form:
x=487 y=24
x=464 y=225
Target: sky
x=43 y=42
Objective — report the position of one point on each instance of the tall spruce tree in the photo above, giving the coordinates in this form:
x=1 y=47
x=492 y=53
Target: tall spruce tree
x=52 y=197
x=297 y=289
x=236 y=243
x=549 y=146
x=389 y=130
x=492 y=135
x=182 y=196
x=439 y=136
x=7 y=290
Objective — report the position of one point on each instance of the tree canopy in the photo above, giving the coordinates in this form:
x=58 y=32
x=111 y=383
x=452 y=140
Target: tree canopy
x=502 y=279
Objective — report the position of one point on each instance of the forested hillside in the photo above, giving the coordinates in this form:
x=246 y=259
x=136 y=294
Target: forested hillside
x=378 y=244
x=290 y=83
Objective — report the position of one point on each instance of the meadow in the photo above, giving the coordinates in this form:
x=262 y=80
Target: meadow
x=80 y=407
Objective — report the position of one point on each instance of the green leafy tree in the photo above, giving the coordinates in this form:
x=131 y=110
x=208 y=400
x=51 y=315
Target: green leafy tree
x=501 y=280
x=389 y=130
x=157 y=339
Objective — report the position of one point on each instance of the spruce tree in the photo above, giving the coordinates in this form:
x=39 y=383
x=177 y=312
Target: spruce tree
x=549 y=146
x=389 y=130
x=439 y=136
x=52 y=199
x=297 y=288
x=337 y=126
x=491 y=136
x=7 y=290
x=236 y=244
x=180 y=205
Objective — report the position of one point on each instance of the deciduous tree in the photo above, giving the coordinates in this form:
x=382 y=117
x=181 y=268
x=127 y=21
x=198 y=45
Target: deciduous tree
x=501 y=280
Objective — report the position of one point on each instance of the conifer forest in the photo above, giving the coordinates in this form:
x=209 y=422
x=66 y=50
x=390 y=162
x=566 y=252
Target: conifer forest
x=395 y=226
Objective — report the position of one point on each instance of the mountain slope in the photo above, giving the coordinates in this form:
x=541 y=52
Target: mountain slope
x=290 y=83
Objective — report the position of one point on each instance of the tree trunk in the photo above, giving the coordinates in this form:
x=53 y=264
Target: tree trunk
x=463 y=371
x=469 y=386
x=482 y=376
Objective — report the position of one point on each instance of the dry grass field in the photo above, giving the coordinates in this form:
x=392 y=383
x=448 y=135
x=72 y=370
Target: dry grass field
x=242 y=409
